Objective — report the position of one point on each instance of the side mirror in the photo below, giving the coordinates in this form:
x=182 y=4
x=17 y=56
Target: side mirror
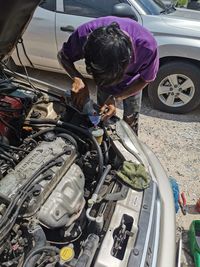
x=124 y=10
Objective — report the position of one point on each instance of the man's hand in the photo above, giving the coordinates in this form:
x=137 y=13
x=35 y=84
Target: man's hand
x=80 y=93
x=108 y=109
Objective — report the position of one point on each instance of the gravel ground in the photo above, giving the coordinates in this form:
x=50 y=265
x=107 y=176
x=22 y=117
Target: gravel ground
x=175 y=139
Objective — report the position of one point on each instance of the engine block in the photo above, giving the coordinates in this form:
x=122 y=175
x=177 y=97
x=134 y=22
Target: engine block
x=61 y=195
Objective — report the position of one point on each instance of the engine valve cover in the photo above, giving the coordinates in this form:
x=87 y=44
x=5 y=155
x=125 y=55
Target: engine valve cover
x=44 y=152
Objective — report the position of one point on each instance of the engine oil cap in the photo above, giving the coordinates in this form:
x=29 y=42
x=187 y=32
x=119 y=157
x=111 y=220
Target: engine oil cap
x=66 y=254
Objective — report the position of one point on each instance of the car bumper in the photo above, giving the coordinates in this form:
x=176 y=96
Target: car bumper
x=167 y=236
x=152 y=242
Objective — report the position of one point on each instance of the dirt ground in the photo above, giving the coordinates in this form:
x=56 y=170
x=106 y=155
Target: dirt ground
x=175 y=139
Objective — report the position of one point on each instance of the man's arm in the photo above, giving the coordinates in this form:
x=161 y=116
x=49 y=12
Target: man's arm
x=132 y=89
x=68 y=65
x=109 y=109
x=147 y=74
x=80 y=92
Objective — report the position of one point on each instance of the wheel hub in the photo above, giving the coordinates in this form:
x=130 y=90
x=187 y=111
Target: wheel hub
x=176 y=90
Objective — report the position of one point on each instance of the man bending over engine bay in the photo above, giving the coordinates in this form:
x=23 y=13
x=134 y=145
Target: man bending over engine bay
x=122 y=58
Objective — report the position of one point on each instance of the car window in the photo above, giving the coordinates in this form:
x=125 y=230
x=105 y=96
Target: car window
x=48 y=4
x=89 y=8
x=153 y=7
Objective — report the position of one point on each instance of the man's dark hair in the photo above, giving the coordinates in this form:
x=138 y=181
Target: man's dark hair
x=107 y=54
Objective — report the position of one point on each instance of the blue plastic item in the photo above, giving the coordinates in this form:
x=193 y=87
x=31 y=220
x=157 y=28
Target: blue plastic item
x=92 y=110
x=175 y=189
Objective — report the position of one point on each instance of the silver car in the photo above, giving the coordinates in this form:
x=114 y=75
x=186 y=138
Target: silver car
x=62 y=202
x=177 y=32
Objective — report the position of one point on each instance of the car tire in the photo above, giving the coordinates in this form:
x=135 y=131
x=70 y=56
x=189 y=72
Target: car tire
x=162 y=91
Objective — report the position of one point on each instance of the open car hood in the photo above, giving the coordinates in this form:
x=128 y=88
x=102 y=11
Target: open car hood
x=14 y=17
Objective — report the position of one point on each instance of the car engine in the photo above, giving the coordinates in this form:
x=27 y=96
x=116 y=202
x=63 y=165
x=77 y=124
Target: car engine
x=54 y=179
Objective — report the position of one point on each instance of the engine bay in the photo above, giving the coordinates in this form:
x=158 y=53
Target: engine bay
x=58 y=185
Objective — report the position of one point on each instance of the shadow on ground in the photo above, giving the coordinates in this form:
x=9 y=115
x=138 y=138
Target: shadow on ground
x=147 y=110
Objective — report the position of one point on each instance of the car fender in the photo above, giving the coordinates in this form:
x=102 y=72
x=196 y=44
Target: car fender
x=172 y=46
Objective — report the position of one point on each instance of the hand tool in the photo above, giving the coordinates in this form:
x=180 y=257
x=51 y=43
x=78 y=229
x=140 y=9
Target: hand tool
x=183 y=203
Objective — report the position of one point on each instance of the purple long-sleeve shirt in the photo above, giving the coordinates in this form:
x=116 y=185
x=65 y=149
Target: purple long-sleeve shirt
x=145 y=61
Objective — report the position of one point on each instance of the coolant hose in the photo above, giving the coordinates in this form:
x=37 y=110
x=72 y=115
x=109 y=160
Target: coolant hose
x=37 y=251
x=40 y=241
x=57 y=129
x=43 y=132
x=88 y=134
x=106 y=152
x=102 y=180
x=39 y=236
x=69 y=138
x=89 y=250
x=77 y=129
x=95 y=195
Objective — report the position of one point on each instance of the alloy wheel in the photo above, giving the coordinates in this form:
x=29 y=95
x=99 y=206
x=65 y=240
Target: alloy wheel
x=176 y=90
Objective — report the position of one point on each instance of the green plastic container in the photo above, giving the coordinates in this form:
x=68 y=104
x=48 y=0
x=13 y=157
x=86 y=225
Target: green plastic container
x=194 y=241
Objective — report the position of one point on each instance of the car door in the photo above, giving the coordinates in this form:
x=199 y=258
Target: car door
x=39 y=38
x=72 y=13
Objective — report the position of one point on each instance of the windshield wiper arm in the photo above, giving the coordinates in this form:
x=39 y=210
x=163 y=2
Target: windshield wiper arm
x=168 y=9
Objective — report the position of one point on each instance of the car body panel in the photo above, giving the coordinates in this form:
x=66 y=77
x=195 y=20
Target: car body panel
x=171 y=44
x=190 y=18
x=167 y=224
x=42 y=27
x=177 y=35
x=168 y=220
x=63 y=20
x=165 y=213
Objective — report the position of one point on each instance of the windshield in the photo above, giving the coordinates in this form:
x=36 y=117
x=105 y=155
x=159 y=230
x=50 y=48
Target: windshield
x=152 y=7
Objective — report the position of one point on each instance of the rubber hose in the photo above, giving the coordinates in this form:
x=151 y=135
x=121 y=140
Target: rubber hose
x=42 y=132
x=89 y=250
x=78 y=129
x=42 y=121
x=66 y=135
x=105 y=152
x=76 y=137
x=37 y=251
x=69 y=138
x=40 y=241
x=12 y=147
x=102 y=180
x=8 y=155
x=96 y=144
x=57 y=129
x=8 y=159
